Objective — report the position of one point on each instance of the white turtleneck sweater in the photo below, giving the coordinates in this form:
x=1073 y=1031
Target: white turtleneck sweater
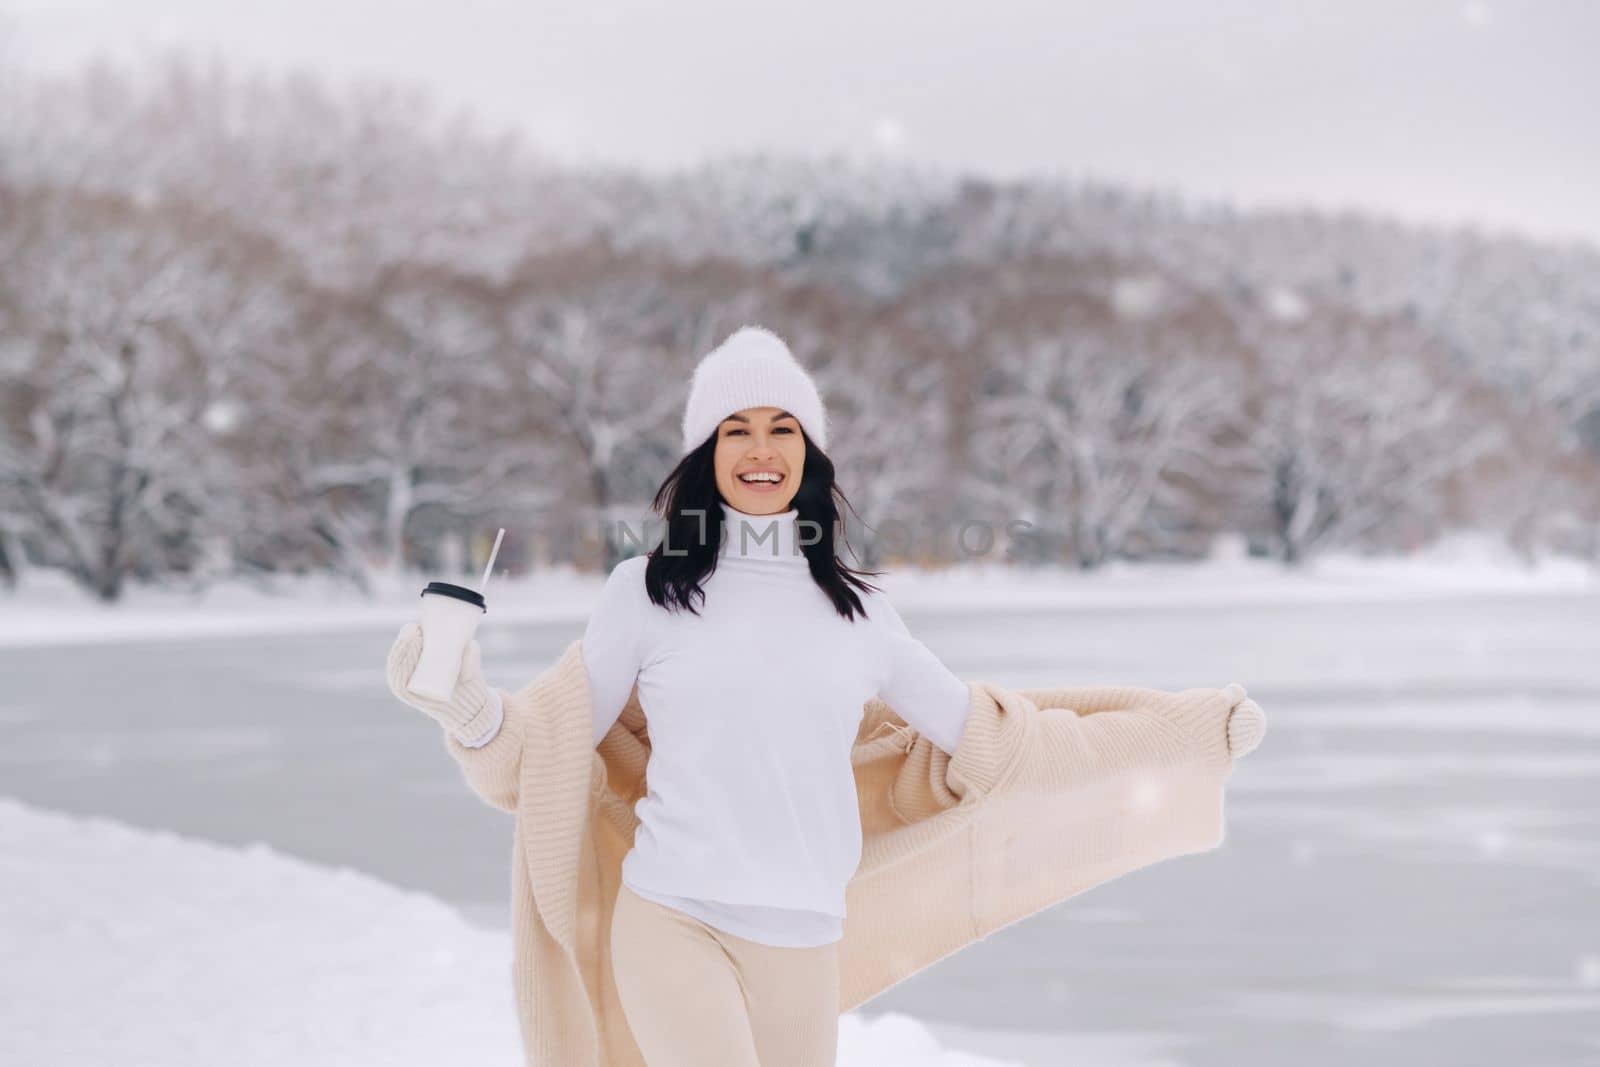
x=751 y=822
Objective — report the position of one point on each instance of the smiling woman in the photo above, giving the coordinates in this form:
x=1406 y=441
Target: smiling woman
x=752 y=653
x=760 y=456
x=753 y=650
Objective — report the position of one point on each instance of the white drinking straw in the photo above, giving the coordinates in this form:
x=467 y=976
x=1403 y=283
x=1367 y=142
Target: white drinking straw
x=493 y=552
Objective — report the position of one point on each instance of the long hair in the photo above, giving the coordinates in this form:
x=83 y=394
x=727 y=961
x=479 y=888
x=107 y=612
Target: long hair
x=691 y=505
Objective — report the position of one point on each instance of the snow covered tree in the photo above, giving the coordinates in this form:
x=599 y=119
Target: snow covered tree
x=1099 y=436
x=104 y=453
x=353 y=180
x=210 y=352
x=886 y=385
x=381 y=422
x=1354 y=435
x=597 y=350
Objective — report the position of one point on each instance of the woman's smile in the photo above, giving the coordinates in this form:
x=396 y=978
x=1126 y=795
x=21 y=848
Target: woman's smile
x=763 y=481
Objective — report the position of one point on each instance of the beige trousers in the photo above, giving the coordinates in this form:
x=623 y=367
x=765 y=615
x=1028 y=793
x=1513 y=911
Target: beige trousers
x=696 y=996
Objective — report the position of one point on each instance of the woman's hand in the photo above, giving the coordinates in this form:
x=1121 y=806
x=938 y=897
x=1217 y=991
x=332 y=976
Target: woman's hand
x=1247 y=723
x=473 y=706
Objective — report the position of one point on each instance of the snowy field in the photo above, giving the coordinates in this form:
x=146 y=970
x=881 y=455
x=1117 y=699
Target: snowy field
x=224 y=841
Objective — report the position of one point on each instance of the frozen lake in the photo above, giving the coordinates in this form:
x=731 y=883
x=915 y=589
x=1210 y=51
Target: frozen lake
x=1411 y=875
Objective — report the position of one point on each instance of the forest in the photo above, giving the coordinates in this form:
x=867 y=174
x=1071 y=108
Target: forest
x=256 y=326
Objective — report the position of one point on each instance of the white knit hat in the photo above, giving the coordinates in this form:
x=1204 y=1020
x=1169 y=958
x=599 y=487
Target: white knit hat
x=752 y=368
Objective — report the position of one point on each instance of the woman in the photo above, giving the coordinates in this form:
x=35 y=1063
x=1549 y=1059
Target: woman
x=694 y=781
x=754 y=649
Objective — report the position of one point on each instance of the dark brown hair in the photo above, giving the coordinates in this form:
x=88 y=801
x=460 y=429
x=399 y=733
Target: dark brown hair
x=689 y=501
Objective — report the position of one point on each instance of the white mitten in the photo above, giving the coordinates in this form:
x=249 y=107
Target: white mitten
x=473 y=707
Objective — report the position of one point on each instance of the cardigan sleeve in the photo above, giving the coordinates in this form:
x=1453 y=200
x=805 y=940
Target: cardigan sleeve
x=496 y=718
x=492 y=767
x=537 y=723
x=1132 y=748
x=915 y=682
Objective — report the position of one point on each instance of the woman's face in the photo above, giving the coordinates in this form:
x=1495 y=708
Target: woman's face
x=759 y=440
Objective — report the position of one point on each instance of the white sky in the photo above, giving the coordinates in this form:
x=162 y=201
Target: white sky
x=1447 y=110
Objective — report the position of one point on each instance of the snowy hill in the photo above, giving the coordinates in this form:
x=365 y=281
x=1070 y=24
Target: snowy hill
x=139 y=947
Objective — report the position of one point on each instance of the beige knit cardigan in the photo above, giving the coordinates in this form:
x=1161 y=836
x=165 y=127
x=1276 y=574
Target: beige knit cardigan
x=1049 y=793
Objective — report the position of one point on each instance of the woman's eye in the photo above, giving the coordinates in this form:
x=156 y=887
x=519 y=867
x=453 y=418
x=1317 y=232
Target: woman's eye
x=785 y=429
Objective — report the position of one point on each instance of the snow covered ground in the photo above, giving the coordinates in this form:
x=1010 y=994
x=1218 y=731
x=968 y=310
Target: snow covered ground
x=223 y=841
x=143 y=947
x=48 y=610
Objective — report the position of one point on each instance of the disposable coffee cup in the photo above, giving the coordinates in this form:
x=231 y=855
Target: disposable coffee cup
x=450 y=616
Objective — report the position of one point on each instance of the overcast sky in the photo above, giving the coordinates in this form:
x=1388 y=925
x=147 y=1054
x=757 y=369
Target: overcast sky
x=1480 y=111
